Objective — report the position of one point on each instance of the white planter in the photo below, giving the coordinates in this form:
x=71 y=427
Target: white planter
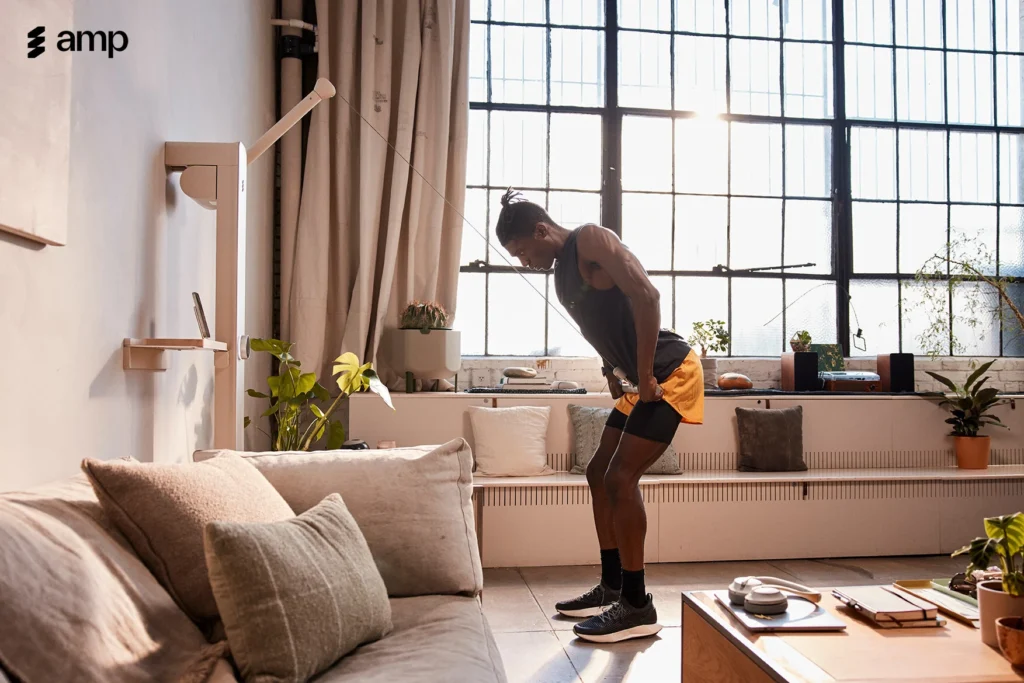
x=436 y=354
x=993 y=604
x=710 y=367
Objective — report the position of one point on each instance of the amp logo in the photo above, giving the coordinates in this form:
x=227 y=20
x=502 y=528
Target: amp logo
x=78 y=41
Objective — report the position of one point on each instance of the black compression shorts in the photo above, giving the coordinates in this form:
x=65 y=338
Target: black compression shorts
x=653 y=421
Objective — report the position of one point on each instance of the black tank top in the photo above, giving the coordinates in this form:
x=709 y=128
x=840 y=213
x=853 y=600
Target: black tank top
x=606 y=320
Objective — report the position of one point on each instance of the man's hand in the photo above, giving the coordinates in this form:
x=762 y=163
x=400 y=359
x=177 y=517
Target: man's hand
x=615 y=387
x=650 y=390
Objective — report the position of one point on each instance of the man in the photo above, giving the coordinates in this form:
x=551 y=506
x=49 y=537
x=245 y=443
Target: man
x=607 y=292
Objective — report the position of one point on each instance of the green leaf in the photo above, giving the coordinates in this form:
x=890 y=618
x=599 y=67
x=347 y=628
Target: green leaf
x=1010 y=527
x=943 y=380
x=321 y=393
x=978 y=373
x=320 y=432
x=275 y=347
x=274 y=382
x=271 y=410
x=288 y=387
x=377 y=387
x=336 y=436
x=246 y=423
x=1013 y=583
x=256 y=394
x=980 y=552
x=986 y=395
x=305 y=383
x=316 y=411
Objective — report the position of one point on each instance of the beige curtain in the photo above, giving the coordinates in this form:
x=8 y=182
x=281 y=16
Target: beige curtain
x=371 y=234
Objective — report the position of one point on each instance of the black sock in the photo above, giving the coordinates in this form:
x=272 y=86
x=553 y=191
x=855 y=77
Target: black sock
x=611 y=569
x=633 y=589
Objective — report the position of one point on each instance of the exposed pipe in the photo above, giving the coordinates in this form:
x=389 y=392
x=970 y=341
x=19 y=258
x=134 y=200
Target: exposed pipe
x=291 y=161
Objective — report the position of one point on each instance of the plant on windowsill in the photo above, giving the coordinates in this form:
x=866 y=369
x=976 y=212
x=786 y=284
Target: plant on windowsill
x=969 y=406
x=800 y=341
x=1002 y=545
x=301 y=409
x=424 y=346
x=424 y=316
x=709 y=335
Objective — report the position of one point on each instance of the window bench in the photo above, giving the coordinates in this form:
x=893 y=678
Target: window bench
x=881 y=482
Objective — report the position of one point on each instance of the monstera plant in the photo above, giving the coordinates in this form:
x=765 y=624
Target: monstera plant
x=301 y=409
x=1002 y=546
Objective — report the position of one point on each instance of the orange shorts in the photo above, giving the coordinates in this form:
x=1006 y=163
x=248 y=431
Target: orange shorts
x=683 y=390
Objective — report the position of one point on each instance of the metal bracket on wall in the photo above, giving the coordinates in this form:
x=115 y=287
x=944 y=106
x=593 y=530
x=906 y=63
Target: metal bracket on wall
x=296 y=47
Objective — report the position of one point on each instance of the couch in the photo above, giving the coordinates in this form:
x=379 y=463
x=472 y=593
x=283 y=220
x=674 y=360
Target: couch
x=77 y=604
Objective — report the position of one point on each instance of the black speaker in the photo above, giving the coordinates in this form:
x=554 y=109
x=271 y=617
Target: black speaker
x=800 y=371
x=896 y=372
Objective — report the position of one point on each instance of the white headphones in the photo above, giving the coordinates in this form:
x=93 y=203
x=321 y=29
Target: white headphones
x=764 y=594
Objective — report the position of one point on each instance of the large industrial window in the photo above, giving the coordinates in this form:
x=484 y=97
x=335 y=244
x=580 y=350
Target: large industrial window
x=777 y=164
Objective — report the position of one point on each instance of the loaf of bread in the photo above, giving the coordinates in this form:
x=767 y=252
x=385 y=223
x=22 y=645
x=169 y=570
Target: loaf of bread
x=734 y=380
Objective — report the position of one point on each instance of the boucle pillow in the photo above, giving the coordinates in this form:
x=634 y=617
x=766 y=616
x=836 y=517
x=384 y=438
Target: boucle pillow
x=588 y=426
x=510 y=442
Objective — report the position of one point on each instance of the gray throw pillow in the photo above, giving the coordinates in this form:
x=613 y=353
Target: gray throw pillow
x=588 y=425
x=771 y=440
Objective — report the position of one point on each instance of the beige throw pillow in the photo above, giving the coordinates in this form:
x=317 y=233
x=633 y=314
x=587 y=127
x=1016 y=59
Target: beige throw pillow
x=511 y=442
x=163 y=508
x=296 y=596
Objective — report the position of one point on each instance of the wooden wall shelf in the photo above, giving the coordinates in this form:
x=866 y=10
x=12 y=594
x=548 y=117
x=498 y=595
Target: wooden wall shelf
x=148 y=354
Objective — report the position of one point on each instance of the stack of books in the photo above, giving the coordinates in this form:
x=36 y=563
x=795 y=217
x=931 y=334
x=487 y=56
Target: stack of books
x=888 y=607
x=525 y=383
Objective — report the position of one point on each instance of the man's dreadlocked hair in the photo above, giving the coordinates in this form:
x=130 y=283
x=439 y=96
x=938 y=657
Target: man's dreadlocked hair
x=518 y=217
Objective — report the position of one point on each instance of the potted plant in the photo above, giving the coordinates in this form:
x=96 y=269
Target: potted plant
x=800 y=341
x=969 y=406
x=424 y=346
x=1003 y=545
x=709 y=335
x=301 y=409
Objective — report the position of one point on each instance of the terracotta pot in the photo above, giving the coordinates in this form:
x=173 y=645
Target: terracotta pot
x=972 y=452
x=710 y=368
x=1010 y=633
x=994 y=604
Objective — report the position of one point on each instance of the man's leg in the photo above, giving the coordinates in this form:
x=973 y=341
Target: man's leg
x=596 y=471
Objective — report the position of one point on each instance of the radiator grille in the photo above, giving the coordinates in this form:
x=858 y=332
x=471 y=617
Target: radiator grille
x=528 y=496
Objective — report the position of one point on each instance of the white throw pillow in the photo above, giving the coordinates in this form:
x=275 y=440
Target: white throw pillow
x=510 y=442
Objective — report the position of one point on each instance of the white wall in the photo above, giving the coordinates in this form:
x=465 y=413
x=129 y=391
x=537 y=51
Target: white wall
x=137 y=247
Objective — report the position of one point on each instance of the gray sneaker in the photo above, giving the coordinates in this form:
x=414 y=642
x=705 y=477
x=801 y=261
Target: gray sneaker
x=621 y=621
x=593 y=602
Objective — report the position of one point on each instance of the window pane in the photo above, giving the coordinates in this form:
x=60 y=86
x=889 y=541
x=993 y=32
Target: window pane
x=700 y=299
x=1013 y=335
x=808 y=19
x=969 y=24
x=922 y=234
x=919 y=92
x=757 y=158
x=756 y=233
x=972 y=167
x=811 y=306
x=701 y=236
x=576 y=151
x=1011 y=241
x=478 y=63
x=874 y=308
x=564 y=338
x=923 y=165
x=755 y=77
x=868 y=21
x=518 y=64
x=972 y=233
x=478 y=10
x=1008 y=95
x=808 y=235
x=700 y=16
x=754 y=18
x=649 y=14
x=644 y=70
x=874 y=237
x=970 y=88
x=474 y=245
x=469 y=313
x=754 y=303
x=518 y=11
x=1011 y=168
x=476 y=152
x=521 y=334
x=518 y=141
x=919 y=23
x=573 y=209
x=808 y=80
x=700 y=74
x=577 y=12
x=975 y=319
x=702 y=155
x=577 y=67
x=925 y=317
x=647 y=228
x=808 y=161
x=868 y=82
x=1008 y=25
x=646 y=153
x=873 y=163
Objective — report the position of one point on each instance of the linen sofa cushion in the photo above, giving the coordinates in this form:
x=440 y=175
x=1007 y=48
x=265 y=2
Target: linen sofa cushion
x=413 y=505
x=163 y=508
x=588 y=425
x=771 y=440
x=295 y=595
x=76 y=604
x=511 y=442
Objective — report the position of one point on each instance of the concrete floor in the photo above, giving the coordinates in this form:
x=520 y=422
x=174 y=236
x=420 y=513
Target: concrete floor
x=538 y=646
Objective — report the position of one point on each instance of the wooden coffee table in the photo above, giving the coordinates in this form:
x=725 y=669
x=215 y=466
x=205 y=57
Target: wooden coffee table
x=718 y=649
